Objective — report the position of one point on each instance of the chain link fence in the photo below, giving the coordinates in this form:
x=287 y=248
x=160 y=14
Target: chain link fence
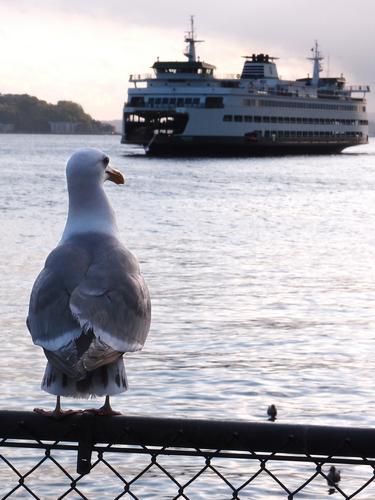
x=90 y=457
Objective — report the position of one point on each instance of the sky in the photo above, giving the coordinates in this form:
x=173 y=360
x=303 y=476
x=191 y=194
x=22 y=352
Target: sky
x=85 y=50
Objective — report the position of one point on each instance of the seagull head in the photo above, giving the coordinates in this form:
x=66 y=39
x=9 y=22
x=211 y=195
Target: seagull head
x=91 y=165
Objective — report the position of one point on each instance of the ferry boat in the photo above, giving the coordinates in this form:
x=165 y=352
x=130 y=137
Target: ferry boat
x=183 y=108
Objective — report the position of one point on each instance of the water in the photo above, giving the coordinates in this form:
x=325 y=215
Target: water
x=260 y=270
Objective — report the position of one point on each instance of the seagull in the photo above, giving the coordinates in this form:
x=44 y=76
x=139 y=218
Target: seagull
x=90 y=304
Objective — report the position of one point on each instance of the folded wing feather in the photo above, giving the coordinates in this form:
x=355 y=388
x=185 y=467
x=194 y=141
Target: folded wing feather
x=90 y=285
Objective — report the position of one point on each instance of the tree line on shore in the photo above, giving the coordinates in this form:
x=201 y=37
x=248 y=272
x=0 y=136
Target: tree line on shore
x=28 y=114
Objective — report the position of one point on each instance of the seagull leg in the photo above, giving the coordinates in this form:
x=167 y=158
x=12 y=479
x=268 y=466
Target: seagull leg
x=105 y=411
x=57 y=412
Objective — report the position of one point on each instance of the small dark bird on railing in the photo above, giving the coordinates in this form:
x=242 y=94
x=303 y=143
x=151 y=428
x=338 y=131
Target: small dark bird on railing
x=272 y=412
x=333 y=478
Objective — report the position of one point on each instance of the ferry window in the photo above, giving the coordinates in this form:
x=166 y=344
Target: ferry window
x=227 y=118
x=299 y=120
x=292 y=119
x=151 y=101
x=196 y=101
x=280 y=119
x=248 y=118
x=286 y=133
x=214 y=102
x=266 y=119
x=237 y=118
x=304 y=133
x=257 y=119
x=165 y=100
x=304 y=120
x=364 y=108
x=273 y=119
x=172 y=100
x=286 y=119
x=299 y=134
x=137 y=101
x=267 y=133
x=180 y=101
x=188 y=100
x=157 y=100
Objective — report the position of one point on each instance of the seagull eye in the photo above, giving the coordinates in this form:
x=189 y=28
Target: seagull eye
x=105 y=160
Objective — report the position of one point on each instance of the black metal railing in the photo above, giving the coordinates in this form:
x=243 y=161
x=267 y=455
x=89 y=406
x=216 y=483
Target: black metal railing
x=86 y=456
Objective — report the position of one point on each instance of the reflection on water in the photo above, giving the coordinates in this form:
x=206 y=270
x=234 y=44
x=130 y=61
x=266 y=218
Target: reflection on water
x=261 y=274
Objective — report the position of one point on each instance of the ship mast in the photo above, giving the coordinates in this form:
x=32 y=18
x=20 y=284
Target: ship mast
x=317 y=68
x=191 y=41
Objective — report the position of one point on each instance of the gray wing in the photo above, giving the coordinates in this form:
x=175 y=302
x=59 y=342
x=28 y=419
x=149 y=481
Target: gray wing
x=50 y=319
x=113 y=300
x=89 y=283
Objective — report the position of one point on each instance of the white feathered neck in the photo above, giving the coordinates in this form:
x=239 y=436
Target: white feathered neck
x=89 y=209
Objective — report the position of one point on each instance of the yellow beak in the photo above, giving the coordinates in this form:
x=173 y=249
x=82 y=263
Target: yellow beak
x=114 y=175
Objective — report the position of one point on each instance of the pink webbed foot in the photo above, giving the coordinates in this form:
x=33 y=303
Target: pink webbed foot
x=104 y=411
x=56 y=414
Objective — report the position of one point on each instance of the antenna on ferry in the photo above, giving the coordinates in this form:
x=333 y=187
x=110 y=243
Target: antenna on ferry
x=317 y=68
x=191 y=41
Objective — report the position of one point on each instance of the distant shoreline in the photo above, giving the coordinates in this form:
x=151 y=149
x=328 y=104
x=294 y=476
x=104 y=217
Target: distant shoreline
x=23 y=113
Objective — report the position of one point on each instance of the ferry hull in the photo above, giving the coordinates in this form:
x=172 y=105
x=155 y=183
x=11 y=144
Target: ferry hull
x=230 y=146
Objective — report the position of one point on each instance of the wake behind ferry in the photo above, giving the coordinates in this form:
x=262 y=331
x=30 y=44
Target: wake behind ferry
x=184 y=109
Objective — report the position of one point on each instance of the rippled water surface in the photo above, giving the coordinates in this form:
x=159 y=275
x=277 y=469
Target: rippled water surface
x=261 y=273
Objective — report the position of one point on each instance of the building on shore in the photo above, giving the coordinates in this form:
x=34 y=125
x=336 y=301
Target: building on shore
x=64 y=127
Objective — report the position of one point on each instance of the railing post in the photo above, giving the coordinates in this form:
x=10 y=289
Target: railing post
x=85 y=443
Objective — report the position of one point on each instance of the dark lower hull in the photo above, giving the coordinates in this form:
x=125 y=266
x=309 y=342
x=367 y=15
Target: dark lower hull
x=229 y=146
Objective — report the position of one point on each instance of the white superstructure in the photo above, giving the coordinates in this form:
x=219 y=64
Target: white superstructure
x=184 y=108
